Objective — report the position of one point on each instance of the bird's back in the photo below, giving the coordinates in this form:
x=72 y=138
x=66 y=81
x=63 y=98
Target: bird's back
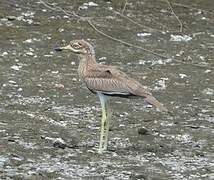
x=111 y=81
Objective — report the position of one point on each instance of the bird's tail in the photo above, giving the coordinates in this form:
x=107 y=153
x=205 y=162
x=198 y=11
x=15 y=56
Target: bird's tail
x=151 y=100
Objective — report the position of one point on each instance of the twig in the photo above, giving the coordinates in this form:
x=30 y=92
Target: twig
x=146 y=50
x=59 y=9
x=179 y=21
x=134 y=22
x=124 y=7
x=123 y=42
x=73 y=14
x=190 y=7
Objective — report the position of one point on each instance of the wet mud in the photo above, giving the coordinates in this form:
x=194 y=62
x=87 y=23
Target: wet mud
x=49 y=121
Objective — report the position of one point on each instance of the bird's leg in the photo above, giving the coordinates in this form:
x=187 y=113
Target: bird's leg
x=103 y=101
x=102 y=131
x=108 y=118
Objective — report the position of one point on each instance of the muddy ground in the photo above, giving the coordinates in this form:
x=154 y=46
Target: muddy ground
x=49 y=121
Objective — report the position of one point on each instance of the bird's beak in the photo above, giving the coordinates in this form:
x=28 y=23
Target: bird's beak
x=63 y=48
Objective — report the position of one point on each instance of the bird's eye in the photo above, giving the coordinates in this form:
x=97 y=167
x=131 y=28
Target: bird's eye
x=76 y=46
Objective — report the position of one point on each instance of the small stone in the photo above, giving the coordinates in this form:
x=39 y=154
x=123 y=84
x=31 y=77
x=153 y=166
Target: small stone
x=143 y=34
x=59 y=144
x=182 y=76
x=31 y=49
x=208 y=91
x=83 y=7
x=28 y=41
x=143 y=131
x=60 y=29
x=12 y=82
x=207 y=71
x=59 y=86
x=180 y=38
x=19 y=18
x=138 y=176
x=29 y=53
x=91 y=4
x=142 y=62
x=11 y=140
x=102 y=58
x=4 y=53
x=48 y=55
x=4 y=19
x=66 y=17
x=54 y=72
x=11 y=18
x=19 y=89
x=14 y=67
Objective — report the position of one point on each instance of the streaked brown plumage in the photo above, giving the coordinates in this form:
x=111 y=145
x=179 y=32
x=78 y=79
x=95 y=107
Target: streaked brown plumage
x=107 y=80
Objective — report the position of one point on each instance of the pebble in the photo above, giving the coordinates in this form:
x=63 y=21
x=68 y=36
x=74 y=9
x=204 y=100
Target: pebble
x=102 y=58
x=91 y=4
x=60 y=86
x=4 y=53
x=142 y=62
x=16 y=68
x=83 y=7
x=28 y=14
x=19 y=89
x=61 y=30
x=207 y=71
x=74 y=79
x=161 y=84
x=48 y=55
x=180 y=38
x=59 y=144
x=143 y=131
x=54 y=72
x=143 y=34
x=182 y=76
x=66 y=17
x=12 y=82
x=208 y=91
x=11 y=18
x=28 y=41
x=29 y=53
x=86 y=5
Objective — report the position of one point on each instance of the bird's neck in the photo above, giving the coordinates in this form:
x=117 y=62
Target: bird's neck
x=87 y=58
x=86 y=61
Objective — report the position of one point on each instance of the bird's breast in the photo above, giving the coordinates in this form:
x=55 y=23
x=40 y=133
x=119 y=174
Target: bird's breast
x=82 y=69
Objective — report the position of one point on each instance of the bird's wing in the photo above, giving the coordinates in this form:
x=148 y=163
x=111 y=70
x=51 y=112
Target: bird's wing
x=111 y=81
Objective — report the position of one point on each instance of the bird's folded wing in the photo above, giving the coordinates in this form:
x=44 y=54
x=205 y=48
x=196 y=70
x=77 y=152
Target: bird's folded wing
x=112 y=81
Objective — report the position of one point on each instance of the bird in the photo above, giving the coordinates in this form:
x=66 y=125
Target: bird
x=106 y=81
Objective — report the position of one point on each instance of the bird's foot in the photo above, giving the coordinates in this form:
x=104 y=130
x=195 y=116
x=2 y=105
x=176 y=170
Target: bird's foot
x=102 y=149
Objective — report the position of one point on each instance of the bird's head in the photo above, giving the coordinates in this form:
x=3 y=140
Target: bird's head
x=78 y=47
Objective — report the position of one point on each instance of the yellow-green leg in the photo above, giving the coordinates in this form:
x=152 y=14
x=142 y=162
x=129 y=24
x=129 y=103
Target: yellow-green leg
x=108 y=118
x=104 y=123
